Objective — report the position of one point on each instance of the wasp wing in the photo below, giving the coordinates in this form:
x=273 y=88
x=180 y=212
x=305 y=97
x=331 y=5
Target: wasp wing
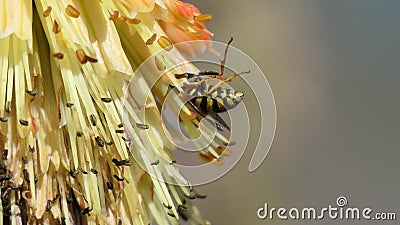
x=219 y=122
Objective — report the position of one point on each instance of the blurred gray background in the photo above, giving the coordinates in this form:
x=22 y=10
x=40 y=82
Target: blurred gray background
x=334 y=69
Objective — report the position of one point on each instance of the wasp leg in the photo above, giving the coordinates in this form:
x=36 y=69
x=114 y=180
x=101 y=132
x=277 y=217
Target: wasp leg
x=225 y=54
x=184 y=75
x=223 y=80
x=220 y=123
x=209 y=73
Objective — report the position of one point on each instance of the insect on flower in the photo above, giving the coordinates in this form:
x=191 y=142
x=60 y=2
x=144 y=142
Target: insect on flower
x=211 y=99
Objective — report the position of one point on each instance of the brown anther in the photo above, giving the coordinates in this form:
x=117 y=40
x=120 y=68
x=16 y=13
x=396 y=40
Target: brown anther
x=118 y=178
x=171 y=214
x=81 y=56
x=69 y=104
x=73 y=174
x=48 y=205
x=31 y=92
x=3 y=119
x=190 y=196
x=167 y=206
x=26 y=175
x=99 y=141
x=210 y=158
x=93 y=120
x=116 y=162
x=110 y=185
x=56 y=27
x=126 y=139
x=91 y=59
x=94 y=171
x=200 y=196
x=47 y=12
x=155 y=162
x=119 y=131
x=31 y=148
x=114 y=16
x=86 y=211
x=165 y=43
x=223 y=151
x=72 y=11
x=142 y=126
x=58 y=55
x=23 y=122
x=107 y=100
x=203 y=18
x=82 y=170
x=24 y=160
x=8 y=106
x=152 y=39
x=231 y=143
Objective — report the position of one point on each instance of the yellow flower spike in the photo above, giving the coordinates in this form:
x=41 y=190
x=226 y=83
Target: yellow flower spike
x=64 y=69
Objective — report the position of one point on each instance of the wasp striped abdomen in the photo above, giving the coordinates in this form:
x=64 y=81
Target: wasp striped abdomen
x=219 y=100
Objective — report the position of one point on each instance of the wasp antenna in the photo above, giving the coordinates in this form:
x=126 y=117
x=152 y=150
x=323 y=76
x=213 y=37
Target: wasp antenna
x=225 y=54
x=230 y=41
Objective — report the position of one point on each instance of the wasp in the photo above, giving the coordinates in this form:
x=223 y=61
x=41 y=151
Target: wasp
x=211 y=99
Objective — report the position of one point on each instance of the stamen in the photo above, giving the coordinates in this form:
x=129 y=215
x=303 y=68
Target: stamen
x=99 y=141
x=81 y=56
x=155 y=162
x=56 y=27
x=58 y=55
x=47 y=12
x=118 y=178
x=72 y=11
x=203 y=18
x=93 y=120
x=107 y=100
x=110 y=185
x=8 y=106
x=142 y=126
x=165 y=43
x=23 y=122
x=32 y=92
x=151 y=40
